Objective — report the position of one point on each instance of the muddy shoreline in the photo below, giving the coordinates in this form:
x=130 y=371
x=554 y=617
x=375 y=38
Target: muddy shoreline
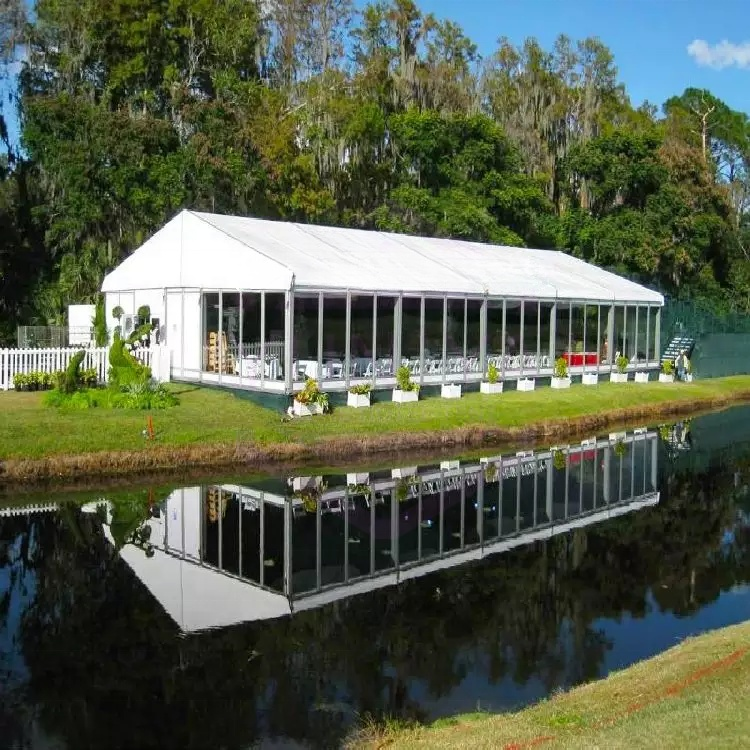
x=164 y=464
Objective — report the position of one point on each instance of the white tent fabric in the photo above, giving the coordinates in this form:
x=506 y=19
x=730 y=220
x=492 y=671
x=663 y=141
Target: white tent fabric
x=211 y=251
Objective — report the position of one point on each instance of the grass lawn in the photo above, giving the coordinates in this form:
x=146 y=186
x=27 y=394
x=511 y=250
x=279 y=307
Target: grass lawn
x=28 y=429
x=693 y=696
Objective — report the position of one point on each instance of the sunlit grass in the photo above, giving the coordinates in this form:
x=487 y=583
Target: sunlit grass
x=692 y=696
x=214 y=417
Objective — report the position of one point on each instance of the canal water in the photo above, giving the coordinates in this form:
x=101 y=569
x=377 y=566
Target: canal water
x=280 y=611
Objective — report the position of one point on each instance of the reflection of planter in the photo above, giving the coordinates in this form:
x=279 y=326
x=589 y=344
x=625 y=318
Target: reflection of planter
x=641 y=377
x=490 y=388
x=405 y=397
x=618 y=377
x=404 y=473
x=590 y=378
x=358 y=400
x=449 y=465
x=560 y=383
x=303 y=483
x=306 y=410
x=357 y=478
x=525 y=384
x=666 y=378
x=451 y=390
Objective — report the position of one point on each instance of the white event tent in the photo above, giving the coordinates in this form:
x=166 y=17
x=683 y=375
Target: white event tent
x=263 y=304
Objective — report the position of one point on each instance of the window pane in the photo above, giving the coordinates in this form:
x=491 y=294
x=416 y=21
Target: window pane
x=384 y=343
x=455 y=333
x=411 y=313
x=249 y=354
x=361 y=335
x=211 y=332
x=334 y=337
x=562 y=329
x=433 y=331
x=473 y=333
x=305 y=336
x=547 y=346
x=530 y=335
x=513 y=335
x=275 y=304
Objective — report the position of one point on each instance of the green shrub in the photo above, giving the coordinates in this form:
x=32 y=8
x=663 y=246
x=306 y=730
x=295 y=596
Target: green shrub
x=403 y=379
x=561 y=367
x=124 y=368
x=622 y=363
x=117 y=312
x=360 y=390
x=99 y=323
x=492 y=373
x=667 y=367
x=144 y=314
x=558 y=460
x=71 y=381
x=311 y=394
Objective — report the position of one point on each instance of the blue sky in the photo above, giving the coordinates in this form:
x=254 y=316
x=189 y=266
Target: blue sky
x=649 y=38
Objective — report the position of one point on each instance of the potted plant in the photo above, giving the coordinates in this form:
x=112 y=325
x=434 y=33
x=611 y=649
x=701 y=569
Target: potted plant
x=560 y=378
x=525 y=384
x=144 y=315
x=559 y=461
x=359 y=396
x=641 y=377
x=405 y=390
x=450 y=390
x=667 y=372
x=621 y=376
x=310 y=400
x=117 y=313
x=491 y=386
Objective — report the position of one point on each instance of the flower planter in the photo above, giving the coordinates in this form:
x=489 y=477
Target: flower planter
x=410 y=471
x=641 y=377
x=560 y=383
x=450 y=390
x=590 y=378
x=358 y=400
x=306 y=410
x=618 y=377
x=525 y=384
x=405 y=397
x=490 y=388
x=666 y=378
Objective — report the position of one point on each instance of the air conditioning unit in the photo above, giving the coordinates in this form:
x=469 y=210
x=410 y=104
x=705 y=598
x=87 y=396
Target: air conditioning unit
x=128 y=325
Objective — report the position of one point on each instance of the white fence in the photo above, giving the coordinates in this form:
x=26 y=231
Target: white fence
x=24 y=361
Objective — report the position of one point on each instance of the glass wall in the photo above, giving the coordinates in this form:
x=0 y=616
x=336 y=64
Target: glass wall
x=333 y=352
x=275 y=307
x=248 y=355
x=513 y=335
x=361 y=335
x=531 y=347
x=433 y=336
x=211 y=338
x=474 y=334
x=620 y=334
x=305 y=353
x=411 y=313
x=547 y=343
x=384 y=344
x=230 y=327
x=563 y=336
x=653 y=315
x=495 y=341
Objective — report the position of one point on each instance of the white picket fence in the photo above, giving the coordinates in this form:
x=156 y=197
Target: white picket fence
x=14 y=361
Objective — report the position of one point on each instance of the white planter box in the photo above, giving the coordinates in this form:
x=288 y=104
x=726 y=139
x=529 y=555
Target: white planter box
x=618 y=377
x=615 y=436
x=358 y=400
x=560 y=383
x=590 y=378
x=641 y=377
x=525 y=384
x=450 y=390
x=306 y=410
x=303 y=483
x=490 y=388
x=666 y=378
x=689 y=377
x=358 y=478
x=405 y=397
x=410 y=471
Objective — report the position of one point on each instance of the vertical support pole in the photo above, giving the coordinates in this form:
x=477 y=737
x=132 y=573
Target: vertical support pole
x=202 y=304
x=318 y=546
x=654 y=463
x=585 y=325
x=374 y=338
x=398 y=313
x=518 y=494
x=319 y=347
x=612 y=348
x=649 y=358
x=239 y=537
x=522 y=337
x=635 y=342
x=482 y=336
x=442 y=513
x=372 y=532
x=445 y=336
x=263 y=342
x=465 y=352
x=570 y=328
x=535 y=461
x=239 y=351
x=549 y=494
x=504 y=334
x=538 y=336
x=421 y=338
x=394 y=532
x=598 y=337
x=463 y=508
x=288 y=549
x=419 y=522
x=262 y=537
x=348 y=349
x=288 y=339
x=552 y=332
x=222 y=353
x=625 y=331
x=480 y=508
x=657 y=334
x=606 y=484
x=346 y=534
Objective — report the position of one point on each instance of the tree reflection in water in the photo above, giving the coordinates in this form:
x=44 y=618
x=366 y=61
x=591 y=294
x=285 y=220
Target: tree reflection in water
x=96 y=662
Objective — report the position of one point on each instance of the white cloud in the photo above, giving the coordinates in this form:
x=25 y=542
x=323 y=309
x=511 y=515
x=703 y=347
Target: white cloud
x=725 y=54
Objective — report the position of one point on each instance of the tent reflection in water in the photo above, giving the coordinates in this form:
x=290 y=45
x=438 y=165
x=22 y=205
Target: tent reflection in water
x=262 y=305
x=230 y=553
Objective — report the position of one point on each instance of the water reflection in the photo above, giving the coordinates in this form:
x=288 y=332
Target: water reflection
x=223 y=554
x=90 y=655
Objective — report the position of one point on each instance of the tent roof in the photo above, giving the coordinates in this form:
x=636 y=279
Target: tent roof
x=211 y=251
